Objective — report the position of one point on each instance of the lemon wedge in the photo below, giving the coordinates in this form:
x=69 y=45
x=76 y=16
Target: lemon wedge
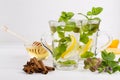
x=70 y=47
x=87 y=47
x=114 y=50
x=114 y=43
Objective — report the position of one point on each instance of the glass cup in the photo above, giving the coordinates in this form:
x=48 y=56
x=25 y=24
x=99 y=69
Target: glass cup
x=65 y=44
x=73 y=41
x=90 y=40
x=89 y=36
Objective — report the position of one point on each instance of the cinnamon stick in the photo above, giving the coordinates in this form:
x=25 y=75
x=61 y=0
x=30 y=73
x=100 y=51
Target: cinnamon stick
x=45 y=71
x=37 y=63
x=50 y=68
x=35 y=66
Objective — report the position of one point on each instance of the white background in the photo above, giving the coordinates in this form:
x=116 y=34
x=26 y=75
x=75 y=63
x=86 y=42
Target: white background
x=30 y=17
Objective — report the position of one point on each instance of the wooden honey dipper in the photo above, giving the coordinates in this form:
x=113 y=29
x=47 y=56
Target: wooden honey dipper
x=34 y=44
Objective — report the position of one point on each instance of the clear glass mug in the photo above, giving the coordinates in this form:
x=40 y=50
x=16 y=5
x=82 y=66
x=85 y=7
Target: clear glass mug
x=70 y=40
x=90 y=37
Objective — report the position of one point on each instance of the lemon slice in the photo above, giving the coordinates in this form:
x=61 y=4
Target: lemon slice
x=87 y=46
x=114 y=50
x=70 y=47
x=114 y=43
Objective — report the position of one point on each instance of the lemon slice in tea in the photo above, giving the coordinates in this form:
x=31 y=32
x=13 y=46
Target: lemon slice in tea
x=87 y=47
x=70 y=47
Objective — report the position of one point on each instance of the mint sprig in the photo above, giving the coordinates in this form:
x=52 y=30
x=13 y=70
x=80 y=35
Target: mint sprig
x=89 y=28
x=106 y=64
x=65 y=16
x=67 y=62
x=93 y=13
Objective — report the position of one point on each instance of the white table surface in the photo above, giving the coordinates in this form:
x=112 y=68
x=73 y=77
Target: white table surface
x=14 y=56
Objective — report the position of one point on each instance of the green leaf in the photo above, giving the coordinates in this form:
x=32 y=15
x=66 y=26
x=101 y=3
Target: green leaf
x=59 y=28
x=89 y=13
x=87 y=54
x=84 y=38
x=70 y=15
x=76 y=30
x=108 y=56
x=61 y=34
x=100 y=69
x=60 y=31
x=67 y=62
x=112 y=64
x=85 y=28
x=93 y=27
x=90 y=28
x=59 y=50
x=65 y=40
x=65 y=16
x=96 y=10
x=119 y=60
x=70 y=26
x=115 y=69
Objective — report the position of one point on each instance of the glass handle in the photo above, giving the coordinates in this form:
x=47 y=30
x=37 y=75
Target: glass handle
x=104 y=46
x=44 y=41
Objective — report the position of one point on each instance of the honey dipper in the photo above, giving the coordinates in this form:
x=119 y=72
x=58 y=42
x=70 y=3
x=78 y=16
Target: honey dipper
x=5 y=28
x=34 y=44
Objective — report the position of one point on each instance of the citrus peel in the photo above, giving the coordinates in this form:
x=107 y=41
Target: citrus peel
x=70 y=47
x=87 y=47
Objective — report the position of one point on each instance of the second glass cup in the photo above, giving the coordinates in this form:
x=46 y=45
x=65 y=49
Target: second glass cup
x=73 y=40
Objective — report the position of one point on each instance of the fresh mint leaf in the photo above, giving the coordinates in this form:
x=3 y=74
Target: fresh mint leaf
x=109 y=64
x=87 y=54
x=117 y=68
x=89 y=28
x=70 y=26
x=85 y=28
x=106 y=64
x=112 y=64
x=93 y=27
x=119 y=60
x=96 y=10
x=65 y=16
x=100 y=69
x=70 y=15
x=84 y=38
x=89 y=13
x=65 y=39
x=108 y=56
x=60 y=31
x=59 y=50
x=68 y=62
x=76 y=30
x=59 y=28
x=61 y=34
